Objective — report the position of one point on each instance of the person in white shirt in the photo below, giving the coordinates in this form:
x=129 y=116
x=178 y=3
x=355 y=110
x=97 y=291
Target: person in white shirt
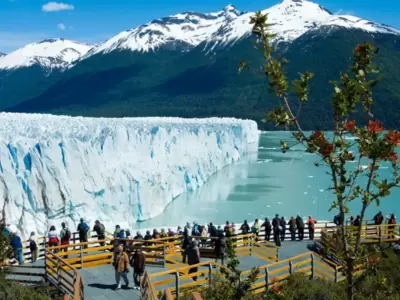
x=33 y=246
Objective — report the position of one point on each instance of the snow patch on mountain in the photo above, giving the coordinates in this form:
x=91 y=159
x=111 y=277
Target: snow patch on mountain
x=2 y=54
x=49 y=54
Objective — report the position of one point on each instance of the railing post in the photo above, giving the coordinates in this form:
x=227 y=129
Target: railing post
x=165 y=255
x=266 y=279
x=336 y=274
x=177 y=290
x=209 y=275
x=277 y=254
x=81 y=256
x=312 y=266
x=251 y=246
x=45 y=266
x=58 y=272
x=290 y=267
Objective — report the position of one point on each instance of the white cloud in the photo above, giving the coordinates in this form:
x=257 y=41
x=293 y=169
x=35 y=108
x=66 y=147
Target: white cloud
x=61 y=26
x=56 y=6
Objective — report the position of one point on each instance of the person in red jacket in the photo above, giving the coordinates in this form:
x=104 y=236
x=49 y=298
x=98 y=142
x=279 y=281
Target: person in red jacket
x=311 y=227
x=65 y=236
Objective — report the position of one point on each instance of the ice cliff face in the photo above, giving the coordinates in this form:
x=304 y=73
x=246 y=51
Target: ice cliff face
x=120 y=171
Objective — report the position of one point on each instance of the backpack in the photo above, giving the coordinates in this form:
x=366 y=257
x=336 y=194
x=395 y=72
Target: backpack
x=121 y=234
x=32 y=245
x=68 y=234
x=102 y=229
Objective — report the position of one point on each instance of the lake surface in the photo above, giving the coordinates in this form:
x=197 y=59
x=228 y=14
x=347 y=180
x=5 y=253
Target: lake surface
x=262 y=184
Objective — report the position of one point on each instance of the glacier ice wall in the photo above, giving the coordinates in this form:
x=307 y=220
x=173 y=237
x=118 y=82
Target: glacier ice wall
x=120 y=171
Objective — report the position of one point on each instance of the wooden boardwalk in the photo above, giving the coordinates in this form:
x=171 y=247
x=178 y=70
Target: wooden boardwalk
x=100 y=281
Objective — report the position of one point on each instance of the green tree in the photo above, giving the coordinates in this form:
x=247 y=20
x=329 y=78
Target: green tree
x=10 y=290
x=230 y=284
x=352 y=95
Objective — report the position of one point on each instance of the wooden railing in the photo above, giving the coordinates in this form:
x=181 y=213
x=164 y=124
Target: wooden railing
x=91 y=254
x=63 y=275
x=42 y=240
x=370 y=234
x=180 y=281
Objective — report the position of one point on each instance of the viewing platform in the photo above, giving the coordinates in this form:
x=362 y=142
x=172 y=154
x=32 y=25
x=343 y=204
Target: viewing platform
x=87 y=273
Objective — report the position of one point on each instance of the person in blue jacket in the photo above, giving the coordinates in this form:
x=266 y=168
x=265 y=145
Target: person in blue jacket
x=83 y=229
x=16 y=243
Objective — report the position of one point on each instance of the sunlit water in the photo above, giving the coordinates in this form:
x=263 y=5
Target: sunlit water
x=264 y=183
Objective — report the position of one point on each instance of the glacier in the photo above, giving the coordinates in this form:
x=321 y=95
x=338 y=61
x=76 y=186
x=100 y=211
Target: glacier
x=120 y=171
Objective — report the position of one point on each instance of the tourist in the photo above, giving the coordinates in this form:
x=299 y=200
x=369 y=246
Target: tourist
x=100 y=231
x=220 y=247
x=204 y=235
x=53 y=238
x=129 y=238
x=256 y=226
x=16 y=243
x=121 y=267
x=292 y=228
x=156 y=234
x=267 y=230
x=283 y=226
x=233 y=228
x=163 y=234
x=33 y=246
x=357 y=221
x=212 y=230
x=336 y=220
x=300 y=227
x=179 y=231
x=186 y=240
x=245 y=228
x=119 y=235
x=65 y=236
x=378 y=218
x=138 y=263
x=392 y=225
x=83 y=229
x=276 y=227
x=193 y=256
x=227 y=229
x=138 y=236
x=170 y=233
x=351 y=220
x=148 y=236
x=195 y=230
x=311 y=227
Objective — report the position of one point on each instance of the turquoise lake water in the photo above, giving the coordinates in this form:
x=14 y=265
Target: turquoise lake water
x=262 y=184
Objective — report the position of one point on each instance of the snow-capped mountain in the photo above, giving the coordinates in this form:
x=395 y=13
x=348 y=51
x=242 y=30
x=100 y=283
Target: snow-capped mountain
x=49 y=54
x=2 y=54
x=290 y=19
x=188 y=29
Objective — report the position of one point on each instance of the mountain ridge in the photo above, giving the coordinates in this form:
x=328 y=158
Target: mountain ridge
x=184 y=31
x=197 y=76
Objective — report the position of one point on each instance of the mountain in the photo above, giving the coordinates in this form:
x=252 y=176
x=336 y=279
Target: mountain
x=35 y=67
x=49 y=54
x=2 y=54
x=186 y=65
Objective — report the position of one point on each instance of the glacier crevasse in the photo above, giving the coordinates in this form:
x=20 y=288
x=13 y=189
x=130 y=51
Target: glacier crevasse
x=120 y=171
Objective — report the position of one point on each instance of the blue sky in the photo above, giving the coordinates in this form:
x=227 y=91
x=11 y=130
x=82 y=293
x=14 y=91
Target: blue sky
x=93 y=21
